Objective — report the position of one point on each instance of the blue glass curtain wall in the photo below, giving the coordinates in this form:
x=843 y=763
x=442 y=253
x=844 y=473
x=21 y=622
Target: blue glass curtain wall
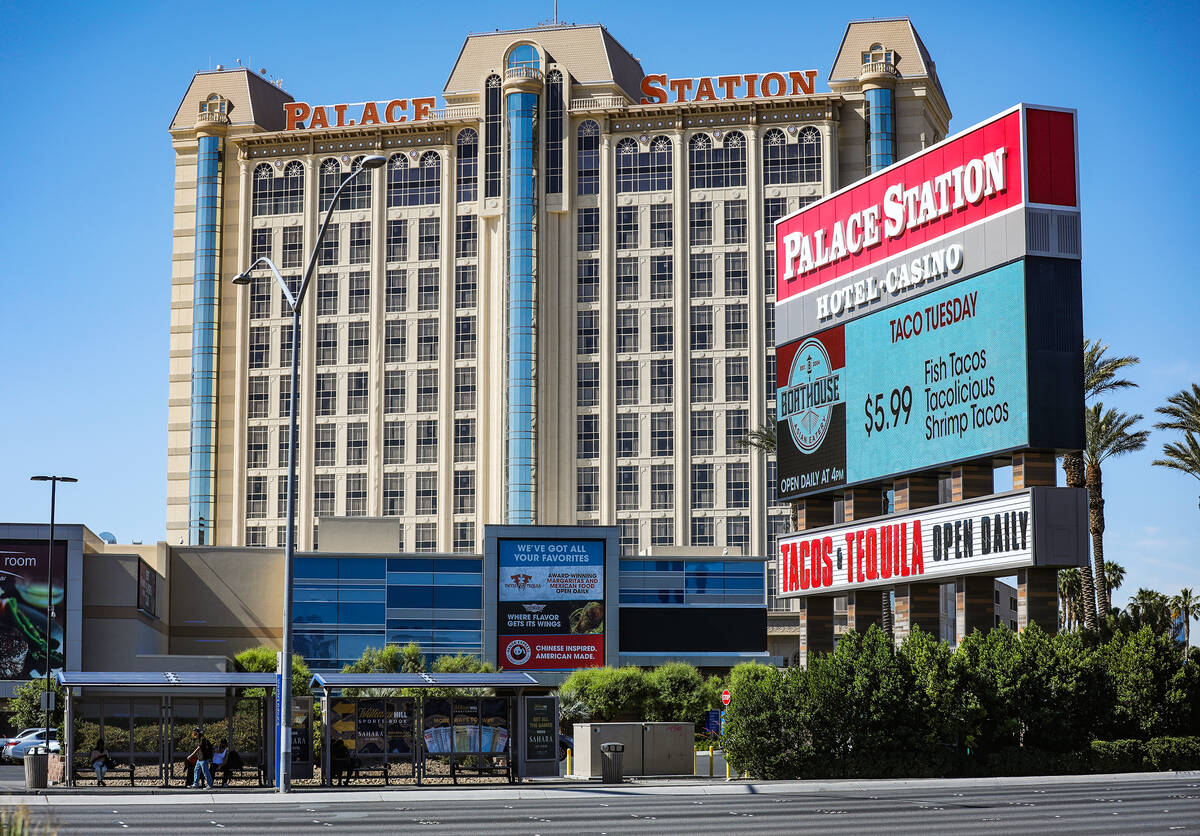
x=345 y=604
x=206 y=279
x=521 y=335
x=881 y=128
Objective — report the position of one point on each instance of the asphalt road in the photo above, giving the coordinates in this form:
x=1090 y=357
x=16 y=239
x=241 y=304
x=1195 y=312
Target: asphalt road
x=1171 y=804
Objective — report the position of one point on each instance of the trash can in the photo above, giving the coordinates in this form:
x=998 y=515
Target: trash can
x=612 y=756
x=36 y=764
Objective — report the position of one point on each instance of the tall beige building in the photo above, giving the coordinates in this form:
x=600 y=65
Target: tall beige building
x=552 y=304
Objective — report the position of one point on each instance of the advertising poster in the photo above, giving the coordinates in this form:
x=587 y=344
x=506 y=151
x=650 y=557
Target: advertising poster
x=24 y=595
x=550 y=604
x=372 y=726
x=938 y=379
x=540 y=729
x=439 y=739
x=493 y=732
x=147 y=590
x=400 y=727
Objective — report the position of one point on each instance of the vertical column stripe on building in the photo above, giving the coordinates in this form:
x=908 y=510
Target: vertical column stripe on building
x=202 y=446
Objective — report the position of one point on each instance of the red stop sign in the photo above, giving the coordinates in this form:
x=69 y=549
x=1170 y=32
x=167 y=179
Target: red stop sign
x=725 y=697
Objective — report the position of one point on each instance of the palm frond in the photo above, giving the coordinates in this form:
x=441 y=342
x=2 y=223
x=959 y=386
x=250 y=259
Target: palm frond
x=1109 y=434
x=1100 y=372
x=1182 y=455
x=1183 y=408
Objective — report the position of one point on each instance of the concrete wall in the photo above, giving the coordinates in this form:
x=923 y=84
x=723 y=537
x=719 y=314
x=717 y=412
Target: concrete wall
x=114 y=630
x=225 y=600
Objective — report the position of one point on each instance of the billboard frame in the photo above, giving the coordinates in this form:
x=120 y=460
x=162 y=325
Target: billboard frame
x=493 y=534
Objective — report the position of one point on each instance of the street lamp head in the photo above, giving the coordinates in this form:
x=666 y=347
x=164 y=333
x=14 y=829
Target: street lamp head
x=242 y=278
x=373 y=161
x=53 y=479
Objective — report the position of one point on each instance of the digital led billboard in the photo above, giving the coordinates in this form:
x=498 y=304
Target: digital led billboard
x=952 y=375
x=551 y=606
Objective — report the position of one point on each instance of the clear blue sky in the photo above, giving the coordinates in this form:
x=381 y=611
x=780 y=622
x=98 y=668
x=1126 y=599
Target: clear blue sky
x=90 y=89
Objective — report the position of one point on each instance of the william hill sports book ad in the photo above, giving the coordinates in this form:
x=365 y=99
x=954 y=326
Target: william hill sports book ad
x=932 y=313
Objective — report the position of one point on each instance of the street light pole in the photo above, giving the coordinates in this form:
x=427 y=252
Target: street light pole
x=283 y=724
x=53 y=480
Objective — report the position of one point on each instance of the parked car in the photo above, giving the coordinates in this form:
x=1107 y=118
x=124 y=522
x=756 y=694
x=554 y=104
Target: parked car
x=18 y=750
x=5 y=742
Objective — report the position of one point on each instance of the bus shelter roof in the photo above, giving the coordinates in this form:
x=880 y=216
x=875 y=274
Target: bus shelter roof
x=423 y=680
x=165 y=679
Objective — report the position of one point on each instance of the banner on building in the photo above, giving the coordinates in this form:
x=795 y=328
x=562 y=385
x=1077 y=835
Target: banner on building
x=26 y=593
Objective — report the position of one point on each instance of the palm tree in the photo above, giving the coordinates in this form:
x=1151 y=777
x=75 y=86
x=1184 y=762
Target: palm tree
x=1114 y=576
x=1108 y=434
x=1149 y=608
x=1183 y=408
x=1100 y=375
x=1182 y=455
x=1070 y=592
x=1185 y=605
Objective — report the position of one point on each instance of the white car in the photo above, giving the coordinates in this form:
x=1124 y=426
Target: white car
x=5 y=742
x=18 y=750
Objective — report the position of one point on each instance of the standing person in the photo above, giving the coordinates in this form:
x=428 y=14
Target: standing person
x=203 y=754
x=221 y=761
x=99 y=761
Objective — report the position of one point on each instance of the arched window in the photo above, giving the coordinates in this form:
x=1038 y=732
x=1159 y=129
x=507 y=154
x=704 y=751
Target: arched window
x=780 y=163
x=491 y=137
x=554 y=132
x=276 y=195
x=466 y=174
x=644 y=171
x=524 y=56
x=710 y=167
x=587 y=153
x=358 y=192
x=330 y=179
x=419 y=185
x=810 y=155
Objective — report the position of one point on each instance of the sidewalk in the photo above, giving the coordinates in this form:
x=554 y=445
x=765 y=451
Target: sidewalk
x=553 y=788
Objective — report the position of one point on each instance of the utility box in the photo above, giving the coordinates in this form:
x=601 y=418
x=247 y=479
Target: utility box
x=589 y=737
x=668 y=748
x=650 y=748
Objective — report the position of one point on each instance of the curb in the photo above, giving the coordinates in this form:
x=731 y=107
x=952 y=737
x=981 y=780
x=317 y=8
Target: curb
x=564 y=790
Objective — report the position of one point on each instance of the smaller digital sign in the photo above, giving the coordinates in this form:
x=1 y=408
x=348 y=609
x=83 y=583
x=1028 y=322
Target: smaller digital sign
x=551 y=606
x=147 y=588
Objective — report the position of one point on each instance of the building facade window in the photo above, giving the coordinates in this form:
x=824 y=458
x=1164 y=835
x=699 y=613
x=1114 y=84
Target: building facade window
x=555 y=125
x=464 y=338
x=466 y=166
x=587 y=384
x=662 y=381
x=587 y=277
x=587 y=435
x=492 y=137
x=587 y=489
x=735 y=222
x=628 y=280
x=466 y=285
x=587 y=158
x=644 y=171
x=397 y=239
x=466 y=236
x=587 y=222
x=702 y=434
x=702 y=486
x=278 y=195
x=393 y=442
x=700 y=224
x=627 y=382
x=662 y=488
x=627 y=436
x=662 y=276
x=418 y=184
x=588 y=332
x=356 y=445
x=700 y=275
x=715 y=167
x=662 y=220
x=393 y=392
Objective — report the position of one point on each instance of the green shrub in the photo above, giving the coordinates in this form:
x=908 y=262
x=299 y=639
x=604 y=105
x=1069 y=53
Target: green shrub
x=603 y=695
x=678 y=693
x=1173 y=753
x=1117 y=756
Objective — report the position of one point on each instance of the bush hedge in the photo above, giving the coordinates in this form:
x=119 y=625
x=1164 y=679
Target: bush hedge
x=1001 y=703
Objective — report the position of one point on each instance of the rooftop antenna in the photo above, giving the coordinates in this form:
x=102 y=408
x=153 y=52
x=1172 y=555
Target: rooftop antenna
x=556 y=12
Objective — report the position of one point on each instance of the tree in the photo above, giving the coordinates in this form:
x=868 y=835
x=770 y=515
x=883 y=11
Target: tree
x=1109 y=434
x=26 y=705
x=1114 y=576
x=1183 y=456
x=261 y=659
x=1185 y=605
x=1070 y=592
x=1100 y=375
x=1147 y=608
x=391 y=658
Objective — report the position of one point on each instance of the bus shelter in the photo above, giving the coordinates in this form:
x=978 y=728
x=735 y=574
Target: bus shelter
x=398 y=725
x=146 y=719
